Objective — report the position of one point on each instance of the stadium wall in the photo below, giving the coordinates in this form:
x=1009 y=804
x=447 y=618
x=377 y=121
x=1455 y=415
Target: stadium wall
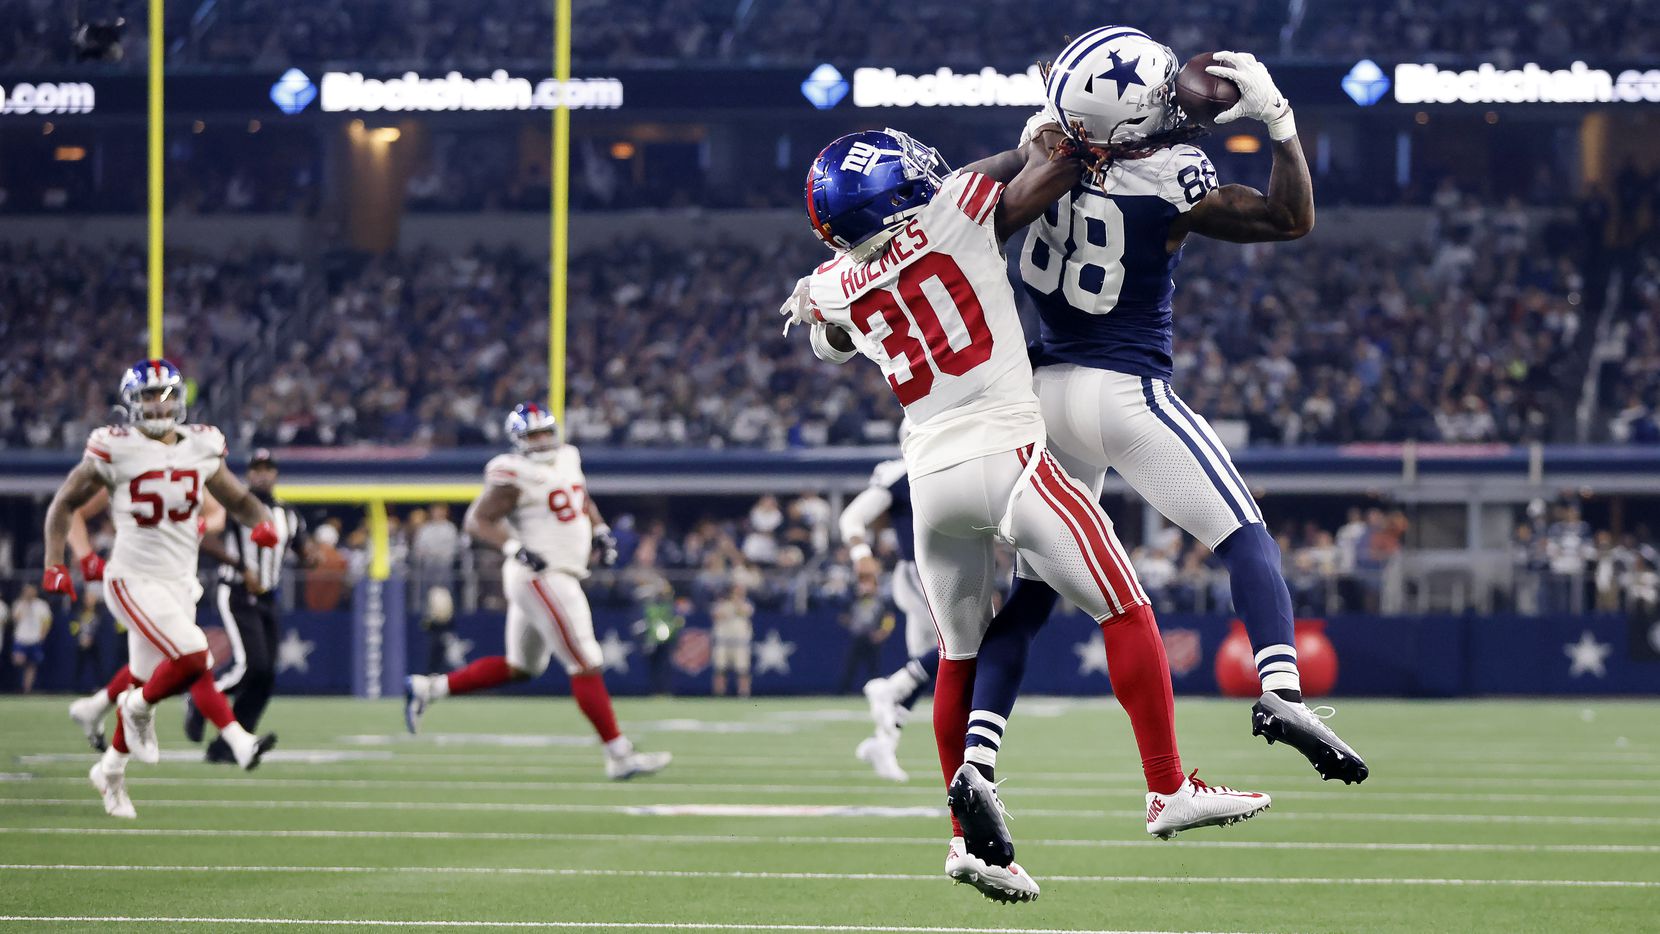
x=1395 y=656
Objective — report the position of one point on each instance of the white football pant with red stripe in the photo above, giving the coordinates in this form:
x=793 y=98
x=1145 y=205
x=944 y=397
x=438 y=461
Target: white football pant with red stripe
x=548 y=616
x=160 y=616
x=1024 y=498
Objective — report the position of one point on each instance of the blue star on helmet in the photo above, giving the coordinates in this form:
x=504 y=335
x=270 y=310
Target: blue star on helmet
x=1123 y=73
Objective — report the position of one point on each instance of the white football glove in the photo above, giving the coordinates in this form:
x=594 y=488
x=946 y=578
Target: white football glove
x=1259 y=99
x=798 y=308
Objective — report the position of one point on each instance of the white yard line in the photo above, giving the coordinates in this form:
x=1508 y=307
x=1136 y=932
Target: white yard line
x=750 y=839
x=1012 y=790
x=564 y=925
x=828 y=876
x=729 y=809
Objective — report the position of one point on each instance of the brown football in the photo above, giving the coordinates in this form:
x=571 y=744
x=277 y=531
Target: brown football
x=1202 y=95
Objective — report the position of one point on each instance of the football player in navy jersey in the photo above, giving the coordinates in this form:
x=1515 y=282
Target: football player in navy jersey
x=891 y=698
x=1099 y=266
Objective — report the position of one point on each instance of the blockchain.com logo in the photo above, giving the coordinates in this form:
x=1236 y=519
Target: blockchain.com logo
x=825 y=87
x=1366 y=83
x=293 y=92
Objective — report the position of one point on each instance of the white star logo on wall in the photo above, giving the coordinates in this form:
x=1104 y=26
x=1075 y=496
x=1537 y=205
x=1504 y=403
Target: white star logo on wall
x=615 y=652
x=1587 y=656
x=773 y=654
x=294 y=653
x=1092 y=656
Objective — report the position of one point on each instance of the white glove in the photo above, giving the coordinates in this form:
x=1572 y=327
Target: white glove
x=798 y=308
x=1259 y=99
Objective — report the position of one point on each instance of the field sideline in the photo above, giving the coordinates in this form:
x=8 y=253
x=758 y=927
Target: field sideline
x=1479 y=816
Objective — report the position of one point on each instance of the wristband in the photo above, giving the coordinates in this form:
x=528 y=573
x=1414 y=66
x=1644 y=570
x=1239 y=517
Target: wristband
x=511 y=547
x=1283 y=125
x=859 y=553
x=601 y=529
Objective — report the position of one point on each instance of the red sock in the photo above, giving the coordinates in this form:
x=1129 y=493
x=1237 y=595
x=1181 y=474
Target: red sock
x=123 y=680
x=481 y=674
x=595 y=702
x=1140 y=676
x=175 y=675
x=210 y=702
x=953 y=696
x=118 y=742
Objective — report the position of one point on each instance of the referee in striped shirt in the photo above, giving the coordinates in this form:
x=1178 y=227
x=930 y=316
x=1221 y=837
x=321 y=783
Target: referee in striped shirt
x=246 y=598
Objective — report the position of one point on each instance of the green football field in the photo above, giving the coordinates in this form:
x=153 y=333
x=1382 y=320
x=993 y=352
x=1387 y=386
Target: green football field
x=1480 y=816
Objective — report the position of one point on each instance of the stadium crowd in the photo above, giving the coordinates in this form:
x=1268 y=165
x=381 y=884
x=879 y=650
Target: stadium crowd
x=492 y=33
x=1471 y=335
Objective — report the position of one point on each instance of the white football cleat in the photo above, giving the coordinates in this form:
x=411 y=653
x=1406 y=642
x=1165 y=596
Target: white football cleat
x=634 y=764
x=113 y=789
x=1197 y=804
x=999 y=883
x=249 y=749
x=140 y=729
x=417 y=693
x=88 y=714
x=885 y=710
x=882 y=756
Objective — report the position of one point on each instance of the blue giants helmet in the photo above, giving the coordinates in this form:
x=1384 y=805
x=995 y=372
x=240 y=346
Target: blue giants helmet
x=527 y=419
x=864 y=186
x=153 y=393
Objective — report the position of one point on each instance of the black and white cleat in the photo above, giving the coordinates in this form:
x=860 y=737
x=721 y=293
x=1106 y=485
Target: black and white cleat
x=974 y=803
x=1279 y=720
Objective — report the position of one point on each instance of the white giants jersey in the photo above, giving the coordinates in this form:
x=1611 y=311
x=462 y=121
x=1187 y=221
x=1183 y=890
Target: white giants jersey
x=935 y=310
x=156 y=492
x=551 y=516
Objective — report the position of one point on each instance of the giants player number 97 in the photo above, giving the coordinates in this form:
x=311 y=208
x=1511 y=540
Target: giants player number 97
x=536 y=510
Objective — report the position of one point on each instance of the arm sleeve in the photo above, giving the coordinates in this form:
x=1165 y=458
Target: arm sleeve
x=974 y=195
x=1186 y=178
x=862 y=511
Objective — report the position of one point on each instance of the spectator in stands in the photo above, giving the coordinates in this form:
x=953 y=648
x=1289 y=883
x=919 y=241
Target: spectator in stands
x=868 y=621
x=31 y=620
x=327 y=575
x=733 y=631
x=434 y=546
x=1568 y=548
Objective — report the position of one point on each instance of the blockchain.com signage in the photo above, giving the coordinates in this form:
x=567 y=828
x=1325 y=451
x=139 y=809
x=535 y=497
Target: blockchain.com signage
x=47 y=98
x=352 y=92
x=1487 y=83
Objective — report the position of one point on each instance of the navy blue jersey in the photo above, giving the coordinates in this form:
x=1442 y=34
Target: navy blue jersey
x=1096 y=267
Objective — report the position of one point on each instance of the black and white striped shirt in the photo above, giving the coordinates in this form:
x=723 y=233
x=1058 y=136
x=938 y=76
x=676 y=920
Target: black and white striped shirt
x=267 y=562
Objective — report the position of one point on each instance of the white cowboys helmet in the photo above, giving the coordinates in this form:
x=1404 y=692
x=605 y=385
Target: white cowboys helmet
x=1114 y=87
x=533 y=430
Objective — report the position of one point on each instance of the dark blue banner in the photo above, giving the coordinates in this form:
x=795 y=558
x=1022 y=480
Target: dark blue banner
x=1402 y=656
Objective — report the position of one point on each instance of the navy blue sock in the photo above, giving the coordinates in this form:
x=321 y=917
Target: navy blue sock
x=1002 y=664
x=1262 y=600
x=922 y=670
